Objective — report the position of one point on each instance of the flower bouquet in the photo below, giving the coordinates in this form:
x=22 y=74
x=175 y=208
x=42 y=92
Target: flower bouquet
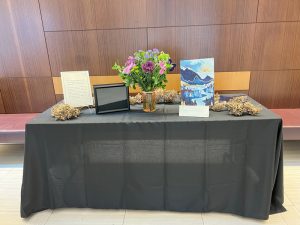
x=148 y=70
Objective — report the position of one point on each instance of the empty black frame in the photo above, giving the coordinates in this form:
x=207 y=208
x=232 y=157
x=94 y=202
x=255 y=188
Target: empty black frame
x=111 y=98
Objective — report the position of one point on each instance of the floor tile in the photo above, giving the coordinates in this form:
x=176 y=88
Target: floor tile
x=161 y=218
x=291 y=216
x=66 y=216
x=287 y=201
x=86 y=217
x=228 y=219
x=103 y=217
x=14 y=218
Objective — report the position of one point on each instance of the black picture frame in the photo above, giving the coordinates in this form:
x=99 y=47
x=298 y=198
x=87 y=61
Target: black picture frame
x=113 y=106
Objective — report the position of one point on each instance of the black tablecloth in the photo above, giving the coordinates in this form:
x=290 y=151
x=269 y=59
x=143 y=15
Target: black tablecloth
x=155 y=161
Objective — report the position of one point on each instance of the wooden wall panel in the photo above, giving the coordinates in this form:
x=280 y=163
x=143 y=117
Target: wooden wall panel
x=117 y=45
x=2 y=108
x=111 y=14
x=230 y=45
x=161 y=13
x=277 y=46
x=10 y=57
x=22 y=95
x=120 y=14
x=59 y=97
x=68 y=14
x=200 y=12
x=73 y=50
x=295 y=90
x=22 y=46
x=95 y=51
x=276 y=89
x=41 y=93
x=278 y=10
x=15 y=95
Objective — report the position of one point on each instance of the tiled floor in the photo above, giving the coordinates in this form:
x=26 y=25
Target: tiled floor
x=11 y=178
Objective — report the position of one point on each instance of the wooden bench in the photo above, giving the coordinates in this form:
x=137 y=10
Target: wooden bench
x=291 y=123
x=12 y=127
x=224 y=82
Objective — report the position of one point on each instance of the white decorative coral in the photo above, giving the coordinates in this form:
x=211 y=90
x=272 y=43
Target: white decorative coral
x=237 y=106
x=64 y=112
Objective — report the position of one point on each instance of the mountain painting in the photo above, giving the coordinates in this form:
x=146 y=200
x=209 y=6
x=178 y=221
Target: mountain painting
x=197 y=82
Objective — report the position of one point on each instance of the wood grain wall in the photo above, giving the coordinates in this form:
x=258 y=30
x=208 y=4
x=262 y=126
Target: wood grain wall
x=40 y=38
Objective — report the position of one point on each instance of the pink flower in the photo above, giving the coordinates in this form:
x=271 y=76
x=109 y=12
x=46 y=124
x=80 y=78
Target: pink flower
x=128 y=68
x=163 y=68
x=130 y=60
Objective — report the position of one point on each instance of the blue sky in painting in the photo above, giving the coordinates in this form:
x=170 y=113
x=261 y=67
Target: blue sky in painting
x=203 y=67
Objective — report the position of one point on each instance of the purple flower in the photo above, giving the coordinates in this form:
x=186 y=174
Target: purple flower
x=148 y=67
x=149 y=54
x=156 y=51
x=173 y=65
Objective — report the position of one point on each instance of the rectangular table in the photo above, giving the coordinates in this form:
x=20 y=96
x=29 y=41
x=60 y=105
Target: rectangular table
x=155 y=161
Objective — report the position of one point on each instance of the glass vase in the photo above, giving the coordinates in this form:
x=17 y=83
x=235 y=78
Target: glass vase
x=149 y=101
